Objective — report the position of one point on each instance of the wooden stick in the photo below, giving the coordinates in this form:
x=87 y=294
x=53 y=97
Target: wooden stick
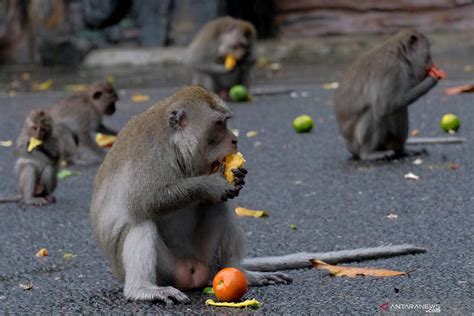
x=301 y=260
x=434 y=140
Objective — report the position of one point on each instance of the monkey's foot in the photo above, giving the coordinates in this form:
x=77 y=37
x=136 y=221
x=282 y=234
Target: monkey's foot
x=166 y=294
x=267 y=278
x=36 y=201
x=50 y=198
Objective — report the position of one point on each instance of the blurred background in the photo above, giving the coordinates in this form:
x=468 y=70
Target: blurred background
x=90 y=39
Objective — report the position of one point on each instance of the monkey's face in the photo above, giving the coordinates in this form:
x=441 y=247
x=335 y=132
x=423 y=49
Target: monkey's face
x=236 y=43
x=104 y=97
x=221 y=142
x=39 y=125
x=416 y=49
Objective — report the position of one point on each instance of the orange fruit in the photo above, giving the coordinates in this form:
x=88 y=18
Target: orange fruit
x=229 y=285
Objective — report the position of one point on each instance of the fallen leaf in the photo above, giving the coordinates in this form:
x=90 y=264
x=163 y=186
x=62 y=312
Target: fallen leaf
x=331 y=85
x=353 y=271
x=63 y=174
x=411 y=176
x=137 y=97
x=252 y=133
x=293 y=227
x=241 y=211
x=392 y=216
x=415 y=132
x=208 y=290
x=69 y=256
x=43 y=252
x=43 y=86
x=104 y=140
x=417 y=161
x=75 y=88
x=27 y=286
x=459 y=89
x=253 y=303
x=6 y=143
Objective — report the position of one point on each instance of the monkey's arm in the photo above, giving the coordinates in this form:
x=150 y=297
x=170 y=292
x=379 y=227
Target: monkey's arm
x=419 y=90
x=106 y=130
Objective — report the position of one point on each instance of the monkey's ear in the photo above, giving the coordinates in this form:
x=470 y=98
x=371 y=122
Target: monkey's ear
x=97 y=95
x=177 y=118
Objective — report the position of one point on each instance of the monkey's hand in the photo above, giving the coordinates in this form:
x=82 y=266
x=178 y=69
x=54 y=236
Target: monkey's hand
x=267 y=278
x=233 y=191
x=436 y=73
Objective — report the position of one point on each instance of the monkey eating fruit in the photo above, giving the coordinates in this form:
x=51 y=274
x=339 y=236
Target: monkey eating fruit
x=233 y=162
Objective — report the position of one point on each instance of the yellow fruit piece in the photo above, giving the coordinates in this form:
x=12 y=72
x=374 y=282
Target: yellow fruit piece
x=253 y=303
x=242 y=211
x=230 y=62
x=43 y=252
x=6 y=143
x=34 y=142
x=44 y=86
x=232 y=161
x=137 y=97
x=104 y=140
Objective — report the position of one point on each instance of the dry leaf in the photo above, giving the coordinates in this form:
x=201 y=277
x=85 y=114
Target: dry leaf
x=43 y=252
x=252 y=133
x=253 y=303
x=6 y=143
x=352 y=271
x=69 y=256
x=415 y=132
x=43 y=86
x=242 y=211
x=459 y=89
x=137 y=97
x=27 y=286
x=412 y=176
x=392 y=216
x=331 y=85
x=104 y=140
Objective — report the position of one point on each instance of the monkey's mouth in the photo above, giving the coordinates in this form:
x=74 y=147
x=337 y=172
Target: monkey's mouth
x=216 y=165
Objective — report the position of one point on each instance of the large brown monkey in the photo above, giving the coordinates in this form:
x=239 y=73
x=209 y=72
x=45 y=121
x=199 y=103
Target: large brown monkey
x=207 y=52
x=78 y=117
x=372 y=101
x=158 y=208
x=36 y=167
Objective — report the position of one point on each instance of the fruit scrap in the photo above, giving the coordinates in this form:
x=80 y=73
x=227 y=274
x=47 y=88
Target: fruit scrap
x=241 y=211
x=137 y=97
x=104 y=140
x=34 y=142
x=6 y=143
x=233 y=161
x=230 y=62
x=450 y=123
x=43 y=86
x=436 y=73
x=253 y=303
x=352 y=271
x=43 y=252
x=229 y=285
x=63 y=174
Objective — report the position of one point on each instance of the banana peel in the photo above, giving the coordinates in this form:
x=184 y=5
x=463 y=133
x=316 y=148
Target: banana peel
x=253 y=303
x=242 y=211
x=34 y=142
x=232 y=161
x=230 y=62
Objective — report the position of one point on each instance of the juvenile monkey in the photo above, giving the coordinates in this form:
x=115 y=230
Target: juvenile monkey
x=36 y=167
x=372 y=101
x=206 y=55
x=79 y=116
x=158 y=208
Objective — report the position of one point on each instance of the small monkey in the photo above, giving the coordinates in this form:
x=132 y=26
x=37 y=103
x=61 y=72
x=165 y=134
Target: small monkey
x=79 y=116
x=36 y=168
x=206 y=54
x=158 y=208
x=372 y=101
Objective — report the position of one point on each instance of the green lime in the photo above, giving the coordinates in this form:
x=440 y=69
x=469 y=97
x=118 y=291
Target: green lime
x=239 y=93
x=450 y=122
x=303 y=123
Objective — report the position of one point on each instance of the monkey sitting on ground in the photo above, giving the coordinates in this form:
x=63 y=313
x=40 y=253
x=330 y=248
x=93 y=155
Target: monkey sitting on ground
x=158 y=208
x=79 y=116
x=37 y=166
x=372 y=101
x=222 y=38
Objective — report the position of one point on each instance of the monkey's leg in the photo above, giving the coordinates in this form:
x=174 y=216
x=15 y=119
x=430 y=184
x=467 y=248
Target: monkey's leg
x=419 y=90
x=146 y=259
x=49 y=182
x=106 y=130
x=28 y=179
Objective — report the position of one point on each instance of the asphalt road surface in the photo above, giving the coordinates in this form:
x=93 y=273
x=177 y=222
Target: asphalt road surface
x=301 y=179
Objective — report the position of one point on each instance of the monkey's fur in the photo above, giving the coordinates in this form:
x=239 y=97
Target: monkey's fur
x=36 y=170
x=372 y=101
x=158 y=208
x=79 y=116
x=207 y=52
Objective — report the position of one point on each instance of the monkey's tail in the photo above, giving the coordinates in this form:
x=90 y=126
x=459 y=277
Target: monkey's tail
x=9 y=199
